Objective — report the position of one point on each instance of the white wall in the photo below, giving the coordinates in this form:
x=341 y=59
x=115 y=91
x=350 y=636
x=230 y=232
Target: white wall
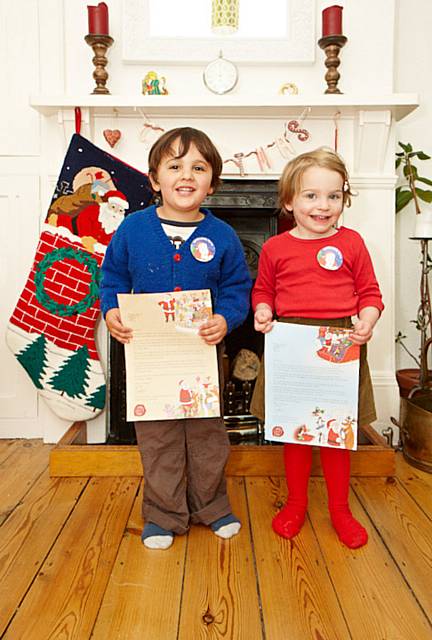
x=48 y=55
x=413 y=55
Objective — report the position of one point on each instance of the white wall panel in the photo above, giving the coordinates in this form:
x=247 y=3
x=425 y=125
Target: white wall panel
x=19 y=73
x=19 y=198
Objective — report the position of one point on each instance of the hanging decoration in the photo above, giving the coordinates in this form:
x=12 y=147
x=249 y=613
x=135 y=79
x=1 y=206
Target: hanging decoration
x=336 y=129
x=225 y=16
x=294 y=127
x=112 y=136
x=147 y=128
x=282 y=143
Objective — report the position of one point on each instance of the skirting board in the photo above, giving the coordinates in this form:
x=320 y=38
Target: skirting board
x=72 y=457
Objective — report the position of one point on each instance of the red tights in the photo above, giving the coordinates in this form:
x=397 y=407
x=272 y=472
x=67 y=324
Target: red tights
x=336 y=468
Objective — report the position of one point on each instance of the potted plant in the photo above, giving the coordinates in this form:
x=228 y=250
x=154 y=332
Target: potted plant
x=415 y=385
x=406 y=193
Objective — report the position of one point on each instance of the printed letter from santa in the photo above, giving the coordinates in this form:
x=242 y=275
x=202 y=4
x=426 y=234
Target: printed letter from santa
x=311 y=385
x=171 y=373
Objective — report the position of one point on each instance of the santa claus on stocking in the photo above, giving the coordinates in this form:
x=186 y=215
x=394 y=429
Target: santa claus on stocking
x=96 y=223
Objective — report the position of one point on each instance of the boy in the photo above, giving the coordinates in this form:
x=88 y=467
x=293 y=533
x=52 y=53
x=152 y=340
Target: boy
x=158 y=250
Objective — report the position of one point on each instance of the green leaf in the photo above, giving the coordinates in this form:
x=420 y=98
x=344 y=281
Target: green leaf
x=423 y=156
x=406 y=147
x=425 y=180
x=426 y=196
x=402 y=199
x=398 y=161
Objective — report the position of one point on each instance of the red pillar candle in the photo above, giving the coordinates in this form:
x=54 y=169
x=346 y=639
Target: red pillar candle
x=98 y=19
x=332 y=21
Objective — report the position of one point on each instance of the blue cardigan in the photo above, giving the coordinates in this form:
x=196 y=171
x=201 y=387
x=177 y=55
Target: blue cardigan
x=142 y=259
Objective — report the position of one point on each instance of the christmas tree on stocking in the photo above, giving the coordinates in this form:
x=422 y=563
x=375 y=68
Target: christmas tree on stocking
x=52 y=329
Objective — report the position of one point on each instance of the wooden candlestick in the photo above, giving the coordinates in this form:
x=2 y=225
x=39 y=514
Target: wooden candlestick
x=99 y=44
x=331 y=46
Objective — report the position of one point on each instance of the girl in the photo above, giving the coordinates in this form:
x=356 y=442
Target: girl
x=154 y=251
x=299 y=283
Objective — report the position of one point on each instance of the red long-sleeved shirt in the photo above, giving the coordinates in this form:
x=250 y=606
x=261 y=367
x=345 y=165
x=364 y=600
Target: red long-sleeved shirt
x=293 y=283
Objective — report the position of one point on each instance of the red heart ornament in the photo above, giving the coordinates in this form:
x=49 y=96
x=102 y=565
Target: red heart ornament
x=112 y=136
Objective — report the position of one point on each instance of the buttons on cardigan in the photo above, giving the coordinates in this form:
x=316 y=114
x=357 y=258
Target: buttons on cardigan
x=177 y=257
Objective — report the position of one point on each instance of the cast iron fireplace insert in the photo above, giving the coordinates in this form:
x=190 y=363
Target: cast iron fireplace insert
x=250 y=207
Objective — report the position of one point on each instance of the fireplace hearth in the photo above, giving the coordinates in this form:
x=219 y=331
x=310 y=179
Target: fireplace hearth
x=250 y=207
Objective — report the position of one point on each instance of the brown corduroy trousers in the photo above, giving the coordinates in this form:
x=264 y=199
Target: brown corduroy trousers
x=183 y=462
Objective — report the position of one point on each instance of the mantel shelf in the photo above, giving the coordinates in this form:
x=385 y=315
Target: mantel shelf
x=232 y=106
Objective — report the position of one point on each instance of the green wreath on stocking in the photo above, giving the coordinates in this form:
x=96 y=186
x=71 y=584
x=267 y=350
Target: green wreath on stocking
x=58 y=308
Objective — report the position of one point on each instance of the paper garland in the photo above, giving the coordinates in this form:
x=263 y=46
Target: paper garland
x=283 y=143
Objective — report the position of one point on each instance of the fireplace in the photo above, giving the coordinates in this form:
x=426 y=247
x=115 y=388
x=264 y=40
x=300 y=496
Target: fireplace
x=250 y=207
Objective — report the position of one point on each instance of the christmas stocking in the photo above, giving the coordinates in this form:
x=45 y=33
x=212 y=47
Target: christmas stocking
x=52 y=329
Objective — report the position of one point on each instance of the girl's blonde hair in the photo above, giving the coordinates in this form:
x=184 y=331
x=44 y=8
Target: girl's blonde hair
x=290 y=180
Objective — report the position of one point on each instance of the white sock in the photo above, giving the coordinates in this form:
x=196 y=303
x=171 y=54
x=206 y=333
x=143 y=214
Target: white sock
x=228 y=530
x=158 y=542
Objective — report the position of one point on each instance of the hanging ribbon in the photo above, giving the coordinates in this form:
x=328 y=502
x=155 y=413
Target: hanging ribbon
x=336 y=129
x=77 y=120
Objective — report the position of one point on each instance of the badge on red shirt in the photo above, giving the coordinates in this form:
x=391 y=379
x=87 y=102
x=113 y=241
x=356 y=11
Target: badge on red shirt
x=203 y=249
x=330 y=258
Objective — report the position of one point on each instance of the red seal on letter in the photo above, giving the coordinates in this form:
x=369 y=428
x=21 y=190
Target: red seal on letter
x=277 y=431
x=139 y=410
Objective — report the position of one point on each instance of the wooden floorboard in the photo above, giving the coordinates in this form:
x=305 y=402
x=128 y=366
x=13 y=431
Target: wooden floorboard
x=375 y=599
x=19 y=471
x=28 y=535
x=417 y=483
x=144 y=592
x=405 y=530
x=64 y=599
x=298 y=598
x=220 y=598
x=6 y=448
x=72 y=565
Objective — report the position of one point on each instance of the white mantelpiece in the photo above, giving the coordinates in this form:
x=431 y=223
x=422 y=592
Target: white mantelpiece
x=399 y=104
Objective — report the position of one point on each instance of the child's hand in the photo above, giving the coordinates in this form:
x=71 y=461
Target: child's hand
x=214 y=330
x=362 y=332
x=263 y=319
x=116 y=328
x=363 y=328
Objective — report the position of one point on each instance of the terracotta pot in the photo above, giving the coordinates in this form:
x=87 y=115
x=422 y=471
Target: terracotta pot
x=407 y=379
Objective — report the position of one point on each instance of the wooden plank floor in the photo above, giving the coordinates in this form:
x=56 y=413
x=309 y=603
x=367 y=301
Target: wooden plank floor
x=72 y=565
